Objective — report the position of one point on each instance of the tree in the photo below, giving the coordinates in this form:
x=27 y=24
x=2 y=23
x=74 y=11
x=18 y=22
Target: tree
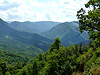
x=1 y=71
x=40 y=56
x=35 y=70
x=90 y=20
x=55 y=44
x=3 y=67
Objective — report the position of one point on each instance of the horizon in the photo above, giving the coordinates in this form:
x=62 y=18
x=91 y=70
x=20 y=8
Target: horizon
x=35 y=21
x=37 y=10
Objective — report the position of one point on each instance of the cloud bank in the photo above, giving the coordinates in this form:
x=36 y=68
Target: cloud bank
x=40 y=10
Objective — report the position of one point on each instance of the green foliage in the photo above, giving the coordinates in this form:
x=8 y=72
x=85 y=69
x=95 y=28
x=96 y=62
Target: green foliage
x=90 y=20
x=18 y=48
x=58 y=60
x=35 y=69
x=13 y=58
x=3 y=67
x=55 y=45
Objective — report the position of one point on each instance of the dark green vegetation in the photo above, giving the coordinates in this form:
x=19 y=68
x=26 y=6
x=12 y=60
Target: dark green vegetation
x=33 y=27
x=60 y=60
x=67 y=32
x=12 y=58
x=91 y=21
x=74 y=60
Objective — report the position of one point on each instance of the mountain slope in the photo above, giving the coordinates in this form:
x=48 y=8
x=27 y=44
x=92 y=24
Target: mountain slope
x=33 y=27
x=13 y=58
x=9 y=34
x=67 y=32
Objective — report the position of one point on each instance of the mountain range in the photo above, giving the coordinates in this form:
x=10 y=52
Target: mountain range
x=68 y=32
x=7 y=34
x=41 y=34
x=33 y=27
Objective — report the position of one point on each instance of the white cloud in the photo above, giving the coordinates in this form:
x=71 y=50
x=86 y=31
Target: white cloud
x=3 y=15
x=1 y=1
x=35 y=10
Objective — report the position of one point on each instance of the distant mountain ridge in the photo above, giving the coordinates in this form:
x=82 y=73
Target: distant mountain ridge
x=7 y=33
x=33 y=27
x=67 y=32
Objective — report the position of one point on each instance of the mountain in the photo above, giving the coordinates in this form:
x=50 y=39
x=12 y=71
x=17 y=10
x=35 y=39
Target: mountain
x=33 y=27
x=67 y=32
x=9 y=35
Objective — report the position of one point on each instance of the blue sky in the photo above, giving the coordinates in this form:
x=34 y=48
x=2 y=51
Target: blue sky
x=40 y=10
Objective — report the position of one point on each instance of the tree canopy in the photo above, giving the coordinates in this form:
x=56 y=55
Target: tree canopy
x=89 y=20
x=55 y=45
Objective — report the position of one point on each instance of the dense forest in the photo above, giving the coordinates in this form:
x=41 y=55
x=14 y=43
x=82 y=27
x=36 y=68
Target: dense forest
x=77 y=59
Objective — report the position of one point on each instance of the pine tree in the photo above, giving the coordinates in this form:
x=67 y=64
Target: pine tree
x=55 y=45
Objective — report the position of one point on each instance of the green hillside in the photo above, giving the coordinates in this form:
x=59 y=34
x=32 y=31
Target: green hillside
x=12 y=58
x=9 y=34
x=70 y=60
x=67 y=32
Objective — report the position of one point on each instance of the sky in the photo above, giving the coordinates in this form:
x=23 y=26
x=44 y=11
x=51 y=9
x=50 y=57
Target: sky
x=40 y=10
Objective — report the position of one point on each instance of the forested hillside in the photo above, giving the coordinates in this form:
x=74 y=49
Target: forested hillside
x=8 y=34
x=75 y=60
x=67 y=32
